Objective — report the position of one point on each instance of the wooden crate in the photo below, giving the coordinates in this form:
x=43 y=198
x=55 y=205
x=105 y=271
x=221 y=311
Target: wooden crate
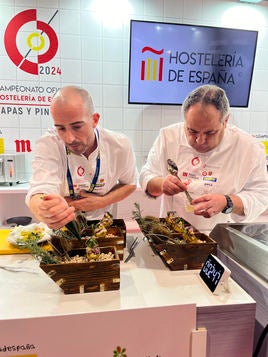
x=88 y=277
x=117 y=222
x=185 y=256
x=117 y=240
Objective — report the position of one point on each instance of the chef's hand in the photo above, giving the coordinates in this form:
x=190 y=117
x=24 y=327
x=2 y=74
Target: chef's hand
x=52 y=209
x=86 y=202
x=209 y=205
x=172 y=185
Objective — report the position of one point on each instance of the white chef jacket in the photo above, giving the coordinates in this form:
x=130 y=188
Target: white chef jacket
x=237 y=166
x=49 y=167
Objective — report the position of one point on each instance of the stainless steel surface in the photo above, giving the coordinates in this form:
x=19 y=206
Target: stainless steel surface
x=247 y=243
x=257 y=288
x=258 y=231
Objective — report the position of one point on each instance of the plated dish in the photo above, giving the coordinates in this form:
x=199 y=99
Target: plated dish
x=37 y=231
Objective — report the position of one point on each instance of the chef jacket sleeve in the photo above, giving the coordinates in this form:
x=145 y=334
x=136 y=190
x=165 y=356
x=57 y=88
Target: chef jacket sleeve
x=254 y=194
x=48 y=167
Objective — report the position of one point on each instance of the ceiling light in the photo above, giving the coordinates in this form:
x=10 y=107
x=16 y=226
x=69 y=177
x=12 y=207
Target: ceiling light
x=245 y=17
x=112 y=13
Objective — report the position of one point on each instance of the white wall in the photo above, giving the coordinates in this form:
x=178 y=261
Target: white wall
x=95 y=55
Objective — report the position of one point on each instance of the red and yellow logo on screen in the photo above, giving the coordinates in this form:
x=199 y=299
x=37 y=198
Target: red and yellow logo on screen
x=30 y=42
x=152 y=68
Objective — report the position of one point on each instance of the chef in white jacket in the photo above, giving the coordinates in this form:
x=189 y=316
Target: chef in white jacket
x=222 y=167
x=79 y=165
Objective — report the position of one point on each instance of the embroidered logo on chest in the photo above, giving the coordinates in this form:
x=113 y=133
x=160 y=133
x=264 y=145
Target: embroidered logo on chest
x=80 y=171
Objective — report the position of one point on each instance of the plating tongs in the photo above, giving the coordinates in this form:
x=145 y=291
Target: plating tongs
x=173 y=169
x=132 y=250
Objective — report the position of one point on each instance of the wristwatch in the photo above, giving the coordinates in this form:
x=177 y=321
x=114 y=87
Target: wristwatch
x=229 y=207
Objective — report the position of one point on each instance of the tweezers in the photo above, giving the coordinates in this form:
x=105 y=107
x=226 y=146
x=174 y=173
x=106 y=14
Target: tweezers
x=132 y=250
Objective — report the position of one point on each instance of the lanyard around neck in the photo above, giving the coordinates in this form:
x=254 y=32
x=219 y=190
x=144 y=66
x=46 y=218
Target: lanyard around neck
x=95 y=177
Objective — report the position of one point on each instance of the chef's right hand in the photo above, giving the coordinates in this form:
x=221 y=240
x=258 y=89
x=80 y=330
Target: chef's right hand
x=52 y=209
x=172 y=185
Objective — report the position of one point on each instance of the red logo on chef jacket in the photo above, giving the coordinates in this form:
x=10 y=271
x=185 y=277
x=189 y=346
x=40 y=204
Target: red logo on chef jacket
x=195 y=161
x=37 y=40
x=80 y=171
x=206 y=173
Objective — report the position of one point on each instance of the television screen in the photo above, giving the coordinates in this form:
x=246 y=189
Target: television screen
x=168 y=60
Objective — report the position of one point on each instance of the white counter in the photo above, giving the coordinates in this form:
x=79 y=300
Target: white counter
x=6 y=189
x=145 y=282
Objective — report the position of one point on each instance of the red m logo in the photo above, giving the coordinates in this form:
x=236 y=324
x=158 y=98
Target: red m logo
x=23 y=146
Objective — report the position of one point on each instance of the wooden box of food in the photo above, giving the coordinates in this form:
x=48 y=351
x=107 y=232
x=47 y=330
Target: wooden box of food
x=86 y=277
x=185 y=256
x=114 y=237
x=117 y=223
x=180 y=245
